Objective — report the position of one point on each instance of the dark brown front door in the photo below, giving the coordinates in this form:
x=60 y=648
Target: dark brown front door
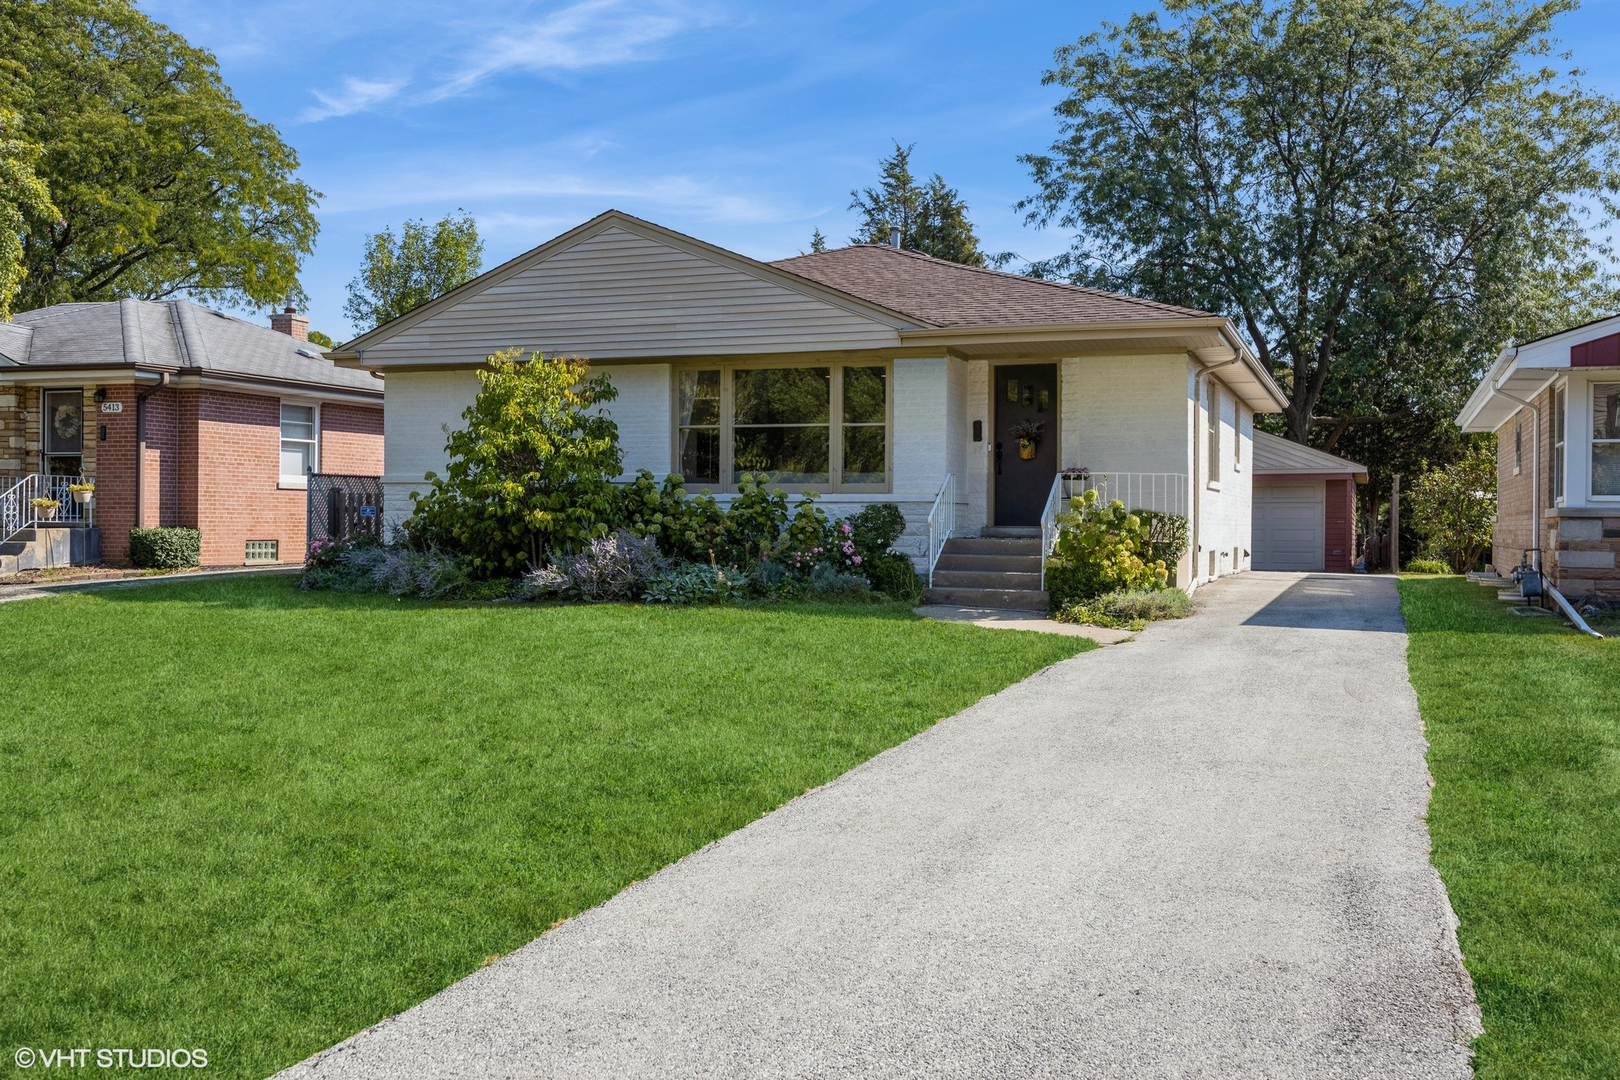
x=1025 y=394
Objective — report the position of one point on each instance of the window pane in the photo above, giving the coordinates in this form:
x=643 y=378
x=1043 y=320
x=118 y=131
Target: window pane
x=864 y=395
x=700 y=455
x=1606 y=468
x=783 y=396
x=865 y=461
x=294 y=458
x=699 y=397
x=298 y=422
x=788 y=455
x=1606 y=410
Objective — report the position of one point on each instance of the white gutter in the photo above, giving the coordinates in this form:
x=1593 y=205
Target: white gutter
x=1569 y=611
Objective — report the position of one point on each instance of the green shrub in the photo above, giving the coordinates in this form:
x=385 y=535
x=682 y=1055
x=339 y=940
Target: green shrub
x=1427 y=564
x=755 y=520
x=685 y=526
x=529 y=473
x=694 y=583
x=1100 y=549
x=1128 y=608
x=892 y=574
x=165 y=548
x=831 y=582
x=875 y=529
x=1166 y=537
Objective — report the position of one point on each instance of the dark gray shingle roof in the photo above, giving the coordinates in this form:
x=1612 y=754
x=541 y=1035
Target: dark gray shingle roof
x=949 y=294
x=169 y=334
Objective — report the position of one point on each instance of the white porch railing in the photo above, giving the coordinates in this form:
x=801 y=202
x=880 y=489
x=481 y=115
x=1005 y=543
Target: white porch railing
x=18 y=512
x=1165 y=493
x=941 y=522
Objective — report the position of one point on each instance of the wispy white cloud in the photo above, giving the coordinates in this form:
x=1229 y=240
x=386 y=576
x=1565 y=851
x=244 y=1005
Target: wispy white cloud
x=590 y=33
x=356 y=96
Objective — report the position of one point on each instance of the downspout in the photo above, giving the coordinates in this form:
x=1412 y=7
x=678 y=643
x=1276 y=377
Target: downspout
x=1199 y=435
x=140 y=445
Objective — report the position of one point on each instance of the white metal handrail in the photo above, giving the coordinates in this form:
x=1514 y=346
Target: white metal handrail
x=941 y=522
x=1049 y=527
x=18 y=512
x=1165 y=493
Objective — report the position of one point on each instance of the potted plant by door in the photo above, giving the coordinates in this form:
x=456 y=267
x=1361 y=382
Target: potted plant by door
x=46 y=508
x=82 y=492
x=1028 y=435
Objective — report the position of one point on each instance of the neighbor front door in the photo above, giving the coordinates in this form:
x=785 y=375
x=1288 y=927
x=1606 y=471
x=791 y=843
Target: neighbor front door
x=1026 y=402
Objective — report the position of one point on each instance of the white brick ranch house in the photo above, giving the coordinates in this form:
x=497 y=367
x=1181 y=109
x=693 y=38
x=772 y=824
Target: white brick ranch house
x=865 y=373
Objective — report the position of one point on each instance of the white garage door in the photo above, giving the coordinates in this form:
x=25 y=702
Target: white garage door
x=1288 y=524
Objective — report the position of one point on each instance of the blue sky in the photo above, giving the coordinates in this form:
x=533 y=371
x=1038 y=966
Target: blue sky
x=745 y=124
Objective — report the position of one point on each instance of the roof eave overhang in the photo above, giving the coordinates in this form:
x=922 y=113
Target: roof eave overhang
x=34 y=374
x=1359 y=475
x=215 y=380
x=1503 y=392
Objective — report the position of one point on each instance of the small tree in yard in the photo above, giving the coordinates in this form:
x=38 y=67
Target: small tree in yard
x=531 y=472
x=1454 y=508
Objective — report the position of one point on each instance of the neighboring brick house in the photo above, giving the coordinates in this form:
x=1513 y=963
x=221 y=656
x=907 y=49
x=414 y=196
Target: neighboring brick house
x=1554 y=406
x=183 y=416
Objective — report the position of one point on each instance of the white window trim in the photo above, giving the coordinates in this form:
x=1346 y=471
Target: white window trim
x=1559 y=422
x=1591 y=446
x=299 y=483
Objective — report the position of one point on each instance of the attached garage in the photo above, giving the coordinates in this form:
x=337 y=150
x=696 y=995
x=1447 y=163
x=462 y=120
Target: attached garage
x=1304 y=507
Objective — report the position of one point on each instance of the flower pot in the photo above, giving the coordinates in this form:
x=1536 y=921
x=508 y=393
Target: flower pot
x=82 y=497
x=1026 y=449
x=47 y=513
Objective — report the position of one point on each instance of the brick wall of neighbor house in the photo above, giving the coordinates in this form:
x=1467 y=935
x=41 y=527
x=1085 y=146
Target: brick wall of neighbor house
x=12 y=430
x=1584 y=553
x=238 y=476
x=115 y=477
x=352 y=440
x=1512 y=532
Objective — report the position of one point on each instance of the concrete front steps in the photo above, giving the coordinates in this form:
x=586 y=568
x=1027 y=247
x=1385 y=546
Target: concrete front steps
x=989 y=572
x=50 y=545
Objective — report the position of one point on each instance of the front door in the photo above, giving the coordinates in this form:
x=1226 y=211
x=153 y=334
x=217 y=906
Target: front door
x=1026 y=440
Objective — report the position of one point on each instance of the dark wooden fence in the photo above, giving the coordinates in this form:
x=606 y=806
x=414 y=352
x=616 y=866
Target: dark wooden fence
x=343 y=506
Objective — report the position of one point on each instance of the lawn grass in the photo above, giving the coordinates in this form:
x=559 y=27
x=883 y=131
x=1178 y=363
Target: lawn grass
x=1523 y=722
x=246 y=818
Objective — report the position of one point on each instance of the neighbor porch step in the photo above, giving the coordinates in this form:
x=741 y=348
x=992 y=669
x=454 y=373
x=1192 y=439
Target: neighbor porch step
x=1023 y=599
x=990 y=564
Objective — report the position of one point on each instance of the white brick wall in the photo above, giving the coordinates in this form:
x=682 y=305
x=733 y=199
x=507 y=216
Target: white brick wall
x=1225 y=511
x=973 y=482
x=644 y=412
x=1125 y=413
x=420 y=409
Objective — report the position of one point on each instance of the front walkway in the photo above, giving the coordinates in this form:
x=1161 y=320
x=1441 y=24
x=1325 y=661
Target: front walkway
x=1202 y=854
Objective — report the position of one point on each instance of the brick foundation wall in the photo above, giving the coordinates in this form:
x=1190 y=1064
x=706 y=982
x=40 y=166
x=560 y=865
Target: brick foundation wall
x=1584 y=554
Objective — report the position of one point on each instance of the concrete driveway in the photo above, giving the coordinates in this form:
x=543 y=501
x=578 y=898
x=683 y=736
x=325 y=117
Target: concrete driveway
x=1201 y=853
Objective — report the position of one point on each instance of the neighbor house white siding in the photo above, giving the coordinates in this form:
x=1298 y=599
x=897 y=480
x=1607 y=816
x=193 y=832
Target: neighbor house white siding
x=621 y=294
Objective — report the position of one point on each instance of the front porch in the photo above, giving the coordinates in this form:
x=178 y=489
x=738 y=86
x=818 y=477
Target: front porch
x=48 y=521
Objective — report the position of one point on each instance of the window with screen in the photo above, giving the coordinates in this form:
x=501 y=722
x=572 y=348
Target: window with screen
x=1606 y=439
x=298 y=443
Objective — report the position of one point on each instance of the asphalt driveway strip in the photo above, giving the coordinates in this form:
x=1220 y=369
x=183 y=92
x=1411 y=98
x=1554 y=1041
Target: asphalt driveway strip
x=1199 y=853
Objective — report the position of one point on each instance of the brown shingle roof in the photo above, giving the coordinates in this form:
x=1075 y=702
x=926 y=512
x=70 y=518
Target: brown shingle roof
x=948 y=294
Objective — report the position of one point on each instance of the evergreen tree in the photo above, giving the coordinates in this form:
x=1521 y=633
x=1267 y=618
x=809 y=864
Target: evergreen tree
x=932 y=217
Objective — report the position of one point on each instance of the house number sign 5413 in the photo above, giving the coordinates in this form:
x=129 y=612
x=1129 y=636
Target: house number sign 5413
x=112 y=406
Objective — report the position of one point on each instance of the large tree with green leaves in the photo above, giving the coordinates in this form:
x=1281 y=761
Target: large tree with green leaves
x=161 y=184
x=406 y=271
x=1378 y=191
x=932 y=216
x=23 y=198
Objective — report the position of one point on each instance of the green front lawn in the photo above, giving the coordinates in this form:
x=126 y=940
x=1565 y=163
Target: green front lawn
x=1523 y=722
x=244 y=818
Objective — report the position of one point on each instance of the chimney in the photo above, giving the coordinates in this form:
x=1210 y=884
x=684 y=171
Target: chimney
x=894 y=236
x=288 y=321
